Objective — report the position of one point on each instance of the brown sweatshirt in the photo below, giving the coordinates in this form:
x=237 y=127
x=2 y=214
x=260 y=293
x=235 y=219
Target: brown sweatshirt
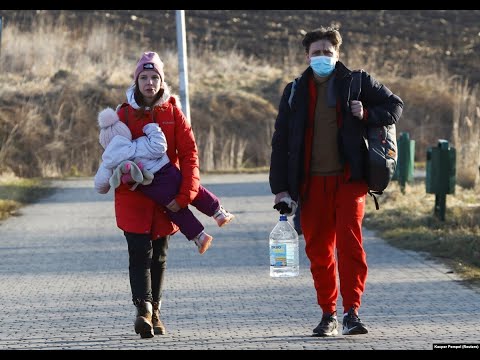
x=325 y=157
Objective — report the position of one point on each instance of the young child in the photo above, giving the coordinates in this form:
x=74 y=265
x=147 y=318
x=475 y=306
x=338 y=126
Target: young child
x=149 y=154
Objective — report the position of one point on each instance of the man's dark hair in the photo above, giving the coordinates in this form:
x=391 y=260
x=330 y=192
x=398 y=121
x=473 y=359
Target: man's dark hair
x=328 y=33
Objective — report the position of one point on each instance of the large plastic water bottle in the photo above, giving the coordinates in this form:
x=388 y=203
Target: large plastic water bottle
x=284 y=261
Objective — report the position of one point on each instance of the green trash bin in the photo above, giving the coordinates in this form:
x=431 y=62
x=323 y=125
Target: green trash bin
x=441 y=169
x=441 y=175
x=406 y=160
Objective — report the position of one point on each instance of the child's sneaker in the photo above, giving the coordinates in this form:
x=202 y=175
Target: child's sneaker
x=203 y=241
x=222 y=216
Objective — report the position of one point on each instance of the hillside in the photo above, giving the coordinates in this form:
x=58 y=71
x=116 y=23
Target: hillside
x=59 y=67
x=416 y=37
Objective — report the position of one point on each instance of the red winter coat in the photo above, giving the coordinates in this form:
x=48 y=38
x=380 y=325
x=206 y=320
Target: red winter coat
x=134 y=211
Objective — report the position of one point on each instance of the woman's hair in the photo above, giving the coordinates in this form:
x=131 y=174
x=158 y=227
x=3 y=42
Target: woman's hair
x=323 y=33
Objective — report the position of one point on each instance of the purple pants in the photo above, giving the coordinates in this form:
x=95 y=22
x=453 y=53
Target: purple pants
x=164 y=188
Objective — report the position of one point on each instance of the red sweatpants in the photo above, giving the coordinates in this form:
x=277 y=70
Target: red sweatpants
x=331 y=218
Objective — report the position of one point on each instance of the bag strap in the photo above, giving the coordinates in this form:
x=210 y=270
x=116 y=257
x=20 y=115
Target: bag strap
x=356 y=84
x=355 y=91
x=292 y=92
x=372 y=194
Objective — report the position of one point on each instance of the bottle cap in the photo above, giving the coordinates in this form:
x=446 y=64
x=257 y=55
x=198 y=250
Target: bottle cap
x=283 y=217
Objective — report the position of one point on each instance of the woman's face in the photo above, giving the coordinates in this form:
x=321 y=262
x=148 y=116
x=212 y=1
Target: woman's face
x=149 y=83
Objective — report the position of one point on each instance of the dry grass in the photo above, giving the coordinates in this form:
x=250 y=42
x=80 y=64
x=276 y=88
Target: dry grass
x=50 y=97
x=16 y=192
x=408 y=221
x=41 y=54
x=247 y=125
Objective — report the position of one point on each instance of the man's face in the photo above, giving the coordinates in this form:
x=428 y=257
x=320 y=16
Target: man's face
x=321 y=47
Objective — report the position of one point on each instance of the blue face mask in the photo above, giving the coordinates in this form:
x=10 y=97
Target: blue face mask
x=322 y=65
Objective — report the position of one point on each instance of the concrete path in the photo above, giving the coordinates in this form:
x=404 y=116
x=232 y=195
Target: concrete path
x=64 y=284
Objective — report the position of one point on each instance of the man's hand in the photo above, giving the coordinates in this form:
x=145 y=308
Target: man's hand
x=284 y=204
x=173 y=206
x=357 y=108
x=281 y=195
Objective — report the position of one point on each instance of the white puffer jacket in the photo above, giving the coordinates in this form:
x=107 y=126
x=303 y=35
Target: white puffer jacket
x=150 y=149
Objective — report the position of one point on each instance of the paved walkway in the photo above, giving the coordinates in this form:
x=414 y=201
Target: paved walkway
x=64 y=284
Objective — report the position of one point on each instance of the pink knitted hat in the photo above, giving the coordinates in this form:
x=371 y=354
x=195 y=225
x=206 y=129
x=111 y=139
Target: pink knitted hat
x=110 y=125
x=149 y=61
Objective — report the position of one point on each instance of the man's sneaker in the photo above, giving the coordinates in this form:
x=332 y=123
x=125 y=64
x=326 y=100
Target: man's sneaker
x=352 y=324
x=222 y=216
x=327 y=327
x=203 y=241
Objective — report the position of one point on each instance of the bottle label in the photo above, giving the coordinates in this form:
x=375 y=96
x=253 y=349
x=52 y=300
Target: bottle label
x=278 y=255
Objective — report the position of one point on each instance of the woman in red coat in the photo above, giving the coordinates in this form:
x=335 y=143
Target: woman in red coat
x=146 y=225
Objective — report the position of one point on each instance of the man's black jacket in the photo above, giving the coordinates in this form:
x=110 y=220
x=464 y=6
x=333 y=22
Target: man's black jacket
x=288 y=141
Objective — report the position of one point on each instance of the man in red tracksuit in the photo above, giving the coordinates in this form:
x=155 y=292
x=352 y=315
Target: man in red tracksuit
x=318 y=160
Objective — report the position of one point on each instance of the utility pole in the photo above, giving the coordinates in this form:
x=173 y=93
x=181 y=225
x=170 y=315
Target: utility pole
x=182 y=61
x=1 y=26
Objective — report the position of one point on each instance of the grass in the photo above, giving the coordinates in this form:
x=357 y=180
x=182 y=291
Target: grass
x=16 y=192
x=408 y=221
